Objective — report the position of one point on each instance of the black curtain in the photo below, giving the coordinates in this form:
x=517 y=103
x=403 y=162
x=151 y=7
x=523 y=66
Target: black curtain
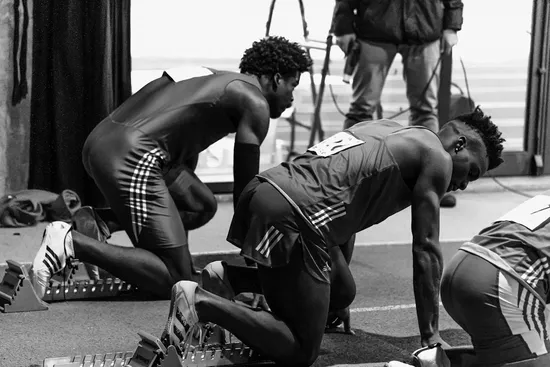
x=81 y=72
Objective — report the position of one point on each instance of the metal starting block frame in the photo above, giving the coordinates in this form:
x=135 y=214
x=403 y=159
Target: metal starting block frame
x=98 y=360
x=151 y=352
x=18 y=295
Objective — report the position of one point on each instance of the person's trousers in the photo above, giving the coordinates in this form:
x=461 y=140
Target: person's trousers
x=420 y=72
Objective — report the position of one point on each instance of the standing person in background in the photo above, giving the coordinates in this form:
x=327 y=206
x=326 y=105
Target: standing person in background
x=419 y=30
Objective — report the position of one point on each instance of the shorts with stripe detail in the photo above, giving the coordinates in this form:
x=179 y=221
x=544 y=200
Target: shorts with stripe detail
x=505 y=320
x=266 y=229
x=127 y=167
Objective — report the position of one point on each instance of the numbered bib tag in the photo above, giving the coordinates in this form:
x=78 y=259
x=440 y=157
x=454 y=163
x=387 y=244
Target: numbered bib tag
x=530 y=214
x=335 y=144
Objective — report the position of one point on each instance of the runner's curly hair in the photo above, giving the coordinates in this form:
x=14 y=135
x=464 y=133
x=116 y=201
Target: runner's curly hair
x=491 y=136
x=273 y=55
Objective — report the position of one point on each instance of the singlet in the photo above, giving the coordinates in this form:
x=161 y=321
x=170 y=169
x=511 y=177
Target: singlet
x=184 y=117
x=346 y=183
x=525 y=250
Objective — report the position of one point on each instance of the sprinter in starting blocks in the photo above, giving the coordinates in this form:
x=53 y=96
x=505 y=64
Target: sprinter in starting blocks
x=76 y=281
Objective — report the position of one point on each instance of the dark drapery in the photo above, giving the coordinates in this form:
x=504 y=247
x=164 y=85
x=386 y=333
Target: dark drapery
x=81 y=72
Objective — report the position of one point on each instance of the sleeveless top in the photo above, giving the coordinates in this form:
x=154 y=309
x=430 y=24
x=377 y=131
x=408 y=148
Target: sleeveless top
x=346 y=183
x=183 y=117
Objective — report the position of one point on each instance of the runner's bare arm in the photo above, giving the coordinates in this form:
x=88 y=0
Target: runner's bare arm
x=252 y=128
x=431 y=185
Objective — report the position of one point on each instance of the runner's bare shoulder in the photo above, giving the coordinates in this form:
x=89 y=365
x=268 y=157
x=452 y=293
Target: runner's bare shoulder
x=417 y=148
x=243 y=96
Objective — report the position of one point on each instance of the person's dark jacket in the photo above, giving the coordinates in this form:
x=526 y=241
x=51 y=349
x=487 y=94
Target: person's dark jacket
x=397 y=21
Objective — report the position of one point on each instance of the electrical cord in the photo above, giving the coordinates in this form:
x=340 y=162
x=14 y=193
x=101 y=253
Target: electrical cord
x=489 y=173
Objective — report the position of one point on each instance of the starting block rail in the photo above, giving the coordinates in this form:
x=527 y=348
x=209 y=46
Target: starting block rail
x=87 y=289
x=18 y=295
x=119 y=359
x=151 y=352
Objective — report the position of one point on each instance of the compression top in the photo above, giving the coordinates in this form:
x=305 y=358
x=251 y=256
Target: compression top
x=346 y=183
x=183 y=117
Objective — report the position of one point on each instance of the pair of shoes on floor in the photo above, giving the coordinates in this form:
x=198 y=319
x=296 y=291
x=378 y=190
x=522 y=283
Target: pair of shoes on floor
x=183 y=328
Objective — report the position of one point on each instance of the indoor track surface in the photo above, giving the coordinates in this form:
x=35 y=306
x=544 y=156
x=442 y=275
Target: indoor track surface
x=383 y=313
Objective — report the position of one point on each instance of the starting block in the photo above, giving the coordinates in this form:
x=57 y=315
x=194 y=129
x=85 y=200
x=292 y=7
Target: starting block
x=151 y=352
x=18 y=295
x=98 y=360
x=16 y=291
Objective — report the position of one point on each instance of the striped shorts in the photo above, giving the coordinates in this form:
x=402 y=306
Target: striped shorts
x=266 y=229
x=505 y=320
x=128 y=169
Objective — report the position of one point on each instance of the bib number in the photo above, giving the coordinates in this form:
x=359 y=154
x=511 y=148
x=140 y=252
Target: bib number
x=530 y=214
x=335 y=144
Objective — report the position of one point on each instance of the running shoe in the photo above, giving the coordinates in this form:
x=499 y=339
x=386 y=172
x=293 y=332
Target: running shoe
x=183 y=328
x=214 y=280
x=56 y=248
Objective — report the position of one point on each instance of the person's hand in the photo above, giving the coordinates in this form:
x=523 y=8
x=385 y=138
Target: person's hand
x=436 y=338
x=336 y=318
x=344 y=41
x=448 y=41
x=260 y=303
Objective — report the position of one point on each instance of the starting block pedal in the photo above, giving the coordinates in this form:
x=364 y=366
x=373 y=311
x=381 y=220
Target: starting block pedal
x=98 y=360
x=16 y=291
x=148 y=352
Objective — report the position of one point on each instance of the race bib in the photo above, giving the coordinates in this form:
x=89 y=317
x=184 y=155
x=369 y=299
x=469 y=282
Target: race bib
x=530 y=214
x=335 y=144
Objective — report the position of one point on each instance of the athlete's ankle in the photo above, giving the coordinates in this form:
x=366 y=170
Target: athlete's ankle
x=69 y=244
x=202 y=303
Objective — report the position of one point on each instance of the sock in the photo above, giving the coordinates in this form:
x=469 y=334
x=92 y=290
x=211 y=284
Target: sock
x=69 y=248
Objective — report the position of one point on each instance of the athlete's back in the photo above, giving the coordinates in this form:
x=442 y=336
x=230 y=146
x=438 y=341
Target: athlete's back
x=347 y=183
x=183 y=117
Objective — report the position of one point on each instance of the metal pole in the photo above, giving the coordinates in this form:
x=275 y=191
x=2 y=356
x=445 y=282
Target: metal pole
x=316 y=125
x=269 y=18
